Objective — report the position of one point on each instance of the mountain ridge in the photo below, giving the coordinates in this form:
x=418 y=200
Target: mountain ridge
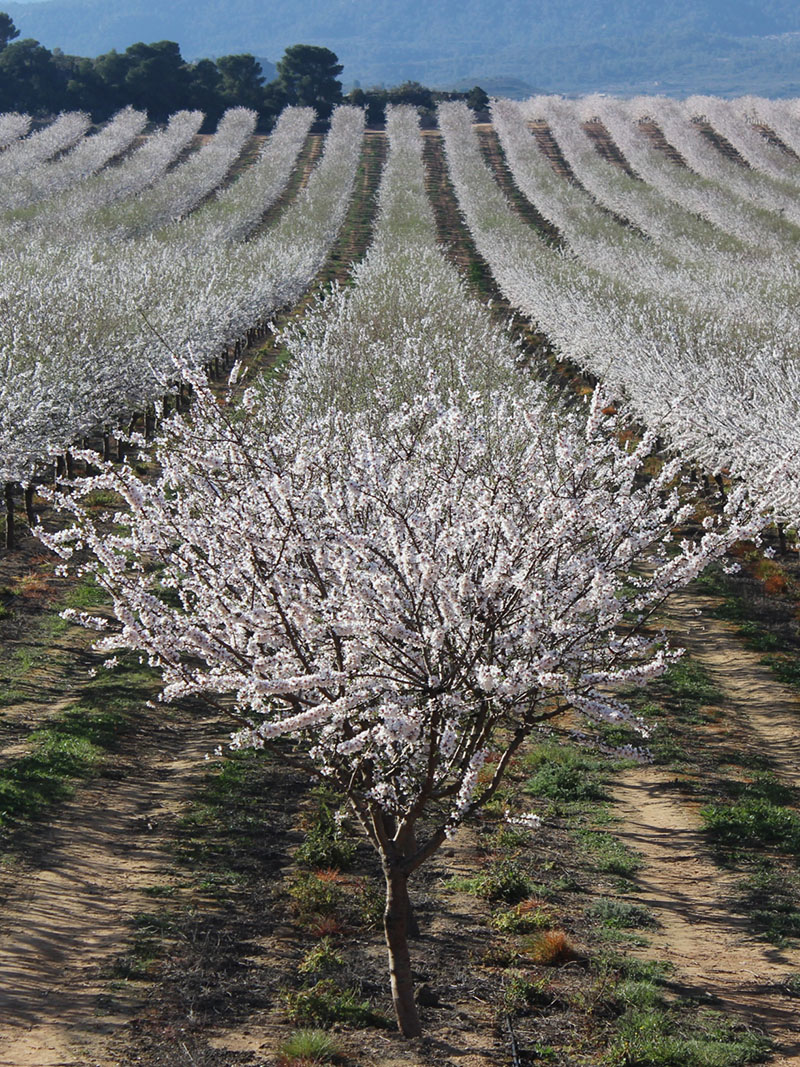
x=559 y=45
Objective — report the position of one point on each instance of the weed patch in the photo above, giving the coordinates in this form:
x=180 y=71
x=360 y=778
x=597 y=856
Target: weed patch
x=326 y=844
x=755 y=821
x=770 y=898
x=607 y=854
x=621 y=914
x=525 y=917
x=656 y=1035
x=325 y=1004
x=501 y=880
x=70 y=747
x=565 y=773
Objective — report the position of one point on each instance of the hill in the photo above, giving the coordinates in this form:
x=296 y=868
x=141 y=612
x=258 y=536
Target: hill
x=723 y=46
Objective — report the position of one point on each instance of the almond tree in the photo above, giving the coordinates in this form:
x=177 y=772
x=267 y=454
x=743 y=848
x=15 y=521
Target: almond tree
x=407 y=596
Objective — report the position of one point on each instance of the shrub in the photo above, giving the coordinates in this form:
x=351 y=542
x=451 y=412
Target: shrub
x=326 y=844
x=313 y=894
x=565 y=774
x=326 y=1003
x=321 y=958
x=502 y=880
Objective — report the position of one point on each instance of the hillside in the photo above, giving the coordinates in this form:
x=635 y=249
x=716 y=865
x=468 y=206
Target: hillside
x=570 y=45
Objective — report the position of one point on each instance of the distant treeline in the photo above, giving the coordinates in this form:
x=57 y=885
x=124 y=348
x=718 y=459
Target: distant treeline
x=156 y=79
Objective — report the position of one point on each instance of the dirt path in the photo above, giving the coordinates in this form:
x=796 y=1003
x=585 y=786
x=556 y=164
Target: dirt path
x=758 y=708
x=69 y=902
x=714 y=951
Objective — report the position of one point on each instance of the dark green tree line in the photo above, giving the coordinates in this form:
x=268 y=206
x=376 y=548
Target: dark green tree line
x=156 y=78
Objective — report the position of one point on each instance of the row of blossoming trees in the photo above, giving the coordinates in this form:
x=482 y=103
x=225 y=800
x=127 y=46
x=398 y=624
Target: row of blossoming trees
x=103 y=276
x=678 y=288
x=405 y=553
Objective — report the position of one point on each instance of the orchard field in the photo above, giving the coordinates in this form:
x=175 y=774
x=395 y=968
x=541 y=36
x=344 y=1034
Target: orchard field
x=361 y=488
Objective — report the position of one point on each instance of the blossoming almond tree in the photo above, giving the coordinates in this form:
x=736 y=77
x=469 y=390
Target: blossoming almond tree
x=408 y=604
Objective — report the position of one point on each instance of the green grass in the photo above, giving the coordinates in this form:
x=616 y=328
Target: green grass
x=306 y=1047
x=655 y=1035
x=40 y=631
x=565 y=773
x=785 y=668
x=672 y=706
x=654 y=1027
x=503 y=880
x=758 y=637
x=620 y=914
x=326 y=844
x=689 y=683
x=71 y=746
x=607 y=854
x=222 y=834
x=770 y=898
x=755 y=821
x=782 y=658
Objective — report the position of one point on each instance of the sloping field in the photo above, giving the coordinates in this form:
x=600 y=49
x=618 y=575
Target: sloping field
x=403 y=456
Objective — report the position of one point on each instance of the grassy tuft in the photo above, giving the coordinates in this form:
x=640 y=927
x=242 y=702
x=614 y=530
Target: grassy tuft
x=501 y=880
x=753 y=821
x=608 y=855
x=550 y=948
x=306 y=1048
x=565 y=773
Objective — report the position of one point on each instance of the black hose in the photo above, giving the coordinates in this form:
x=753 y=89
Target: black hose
x=512 y=1038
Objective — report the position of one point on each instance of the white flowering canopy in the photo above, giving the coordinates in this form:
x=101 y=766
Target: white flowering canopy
x=397 y=600
x=406 y=580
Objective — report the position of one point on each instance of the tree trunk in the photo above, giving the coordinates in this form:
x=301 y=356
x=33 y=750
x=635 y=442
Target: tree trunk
x=395 y=924
x=31 y=514
x=11 y=541
x=782 y=538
